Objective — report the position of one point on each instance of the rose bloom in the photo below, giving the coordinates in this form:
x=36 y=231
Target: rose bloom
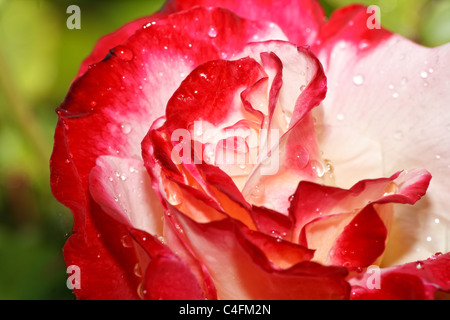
x=254 y=150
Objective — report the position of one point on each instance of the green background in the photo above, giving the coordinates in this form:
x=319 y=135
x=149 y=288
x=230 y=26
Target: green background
x=39 y=56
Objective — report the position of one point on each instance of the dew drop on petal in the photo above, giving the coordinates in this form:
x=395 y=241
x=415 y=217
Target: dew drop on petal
x=125 y=127
x=302 y=157
x=123 y=53
x=162 y=239
x=424 y=74
x=174 y=198
x=358 y=79
x=318 y=168
x=126 y=241
x=363 y=44
x=258 y=191
x=212 y=32
x=137 y=270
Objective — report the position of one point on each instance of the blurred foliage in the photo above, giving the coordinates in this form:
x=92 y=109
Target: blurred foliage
x=39 y=56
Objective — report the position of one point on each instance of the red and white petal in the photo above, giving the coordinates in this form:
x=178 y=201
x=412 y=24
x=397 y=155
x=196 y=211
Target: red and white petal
x=300 y=20
x=240 y=270
x=110 y=108
x=413 y=281
x=388 y=98
x=122 y=187
x=164 y=275
x=336 y=222
x=290 y=153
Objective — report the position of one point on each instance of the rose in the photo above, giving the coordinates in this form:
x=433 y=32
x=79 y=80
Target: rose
x=216 y=241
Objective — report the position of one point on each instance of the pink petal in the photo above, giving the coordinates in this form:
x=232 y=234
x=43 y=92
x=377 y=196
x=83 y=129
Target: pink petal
x=388 y=98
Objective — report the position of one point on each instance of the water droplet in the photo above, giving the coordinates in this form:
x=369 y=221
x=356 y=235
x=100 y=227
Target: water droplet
x=363 y=44
x=137 y=270
x=302 y=88
x=174 y=198
x=318 y=168
x=358 y=79
x=123 y=53
x=212 y=32
x=424 y=74
x=429 y=239
x=328 y=166
x=179 y=228
x=438 y=157
x=419 y=265
x=340 y=117
x=258 y=191
x=436 y=220
x=126 y=127
x=140 y=290
x=161 y=239
x=302 y=157
x=126 y=241
x=395 y=95
x=93 y=103
x=431 y=70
